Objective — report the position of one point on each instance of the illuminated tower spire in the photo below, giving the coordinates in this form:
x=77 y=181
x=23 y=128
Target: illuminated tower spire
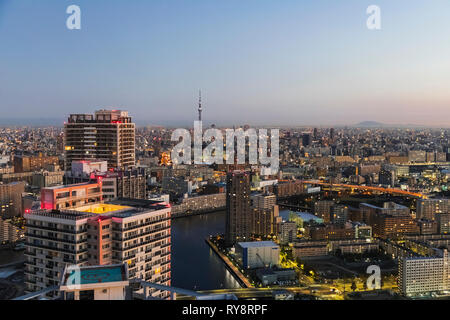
x=200 y=105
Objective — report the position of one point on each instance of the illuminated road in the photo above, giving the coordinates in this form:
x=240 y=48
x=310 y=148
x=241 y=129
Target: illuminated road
x=368 y=188
x=320 y=290
x=335 y=291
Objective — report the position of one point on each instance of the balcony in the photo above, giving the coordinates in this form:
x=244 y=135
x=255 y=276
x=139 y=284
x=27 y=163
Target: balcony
x=139 y=225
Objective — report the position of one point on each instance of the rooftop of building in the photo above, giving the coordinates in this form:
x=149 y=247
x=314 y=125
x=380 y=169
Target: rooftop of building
x=103 y=208
x=89 y=161
x=122 y=208
x=75 y=185
x=61 y=214
x=386 y=206
x=95 y=274
x=257 y=244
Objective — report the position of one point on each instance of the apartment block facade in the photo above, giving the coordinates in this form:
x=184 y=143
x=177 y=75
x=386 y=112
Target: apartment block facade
x=422 y=275
x=100 y=234
x=107 y=135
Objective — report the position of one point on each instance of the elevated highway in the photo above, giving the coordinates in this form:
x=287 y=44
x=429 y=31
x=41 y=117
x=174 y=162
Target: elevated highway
x=367 y=188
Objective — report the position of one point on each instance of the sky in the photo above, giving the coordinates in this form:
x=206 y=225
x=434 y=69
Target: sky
x=261 y=62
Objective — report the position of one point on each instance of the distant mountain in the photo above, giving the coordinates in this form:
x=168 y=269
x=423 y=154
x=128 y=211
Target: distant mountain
x=375 y=124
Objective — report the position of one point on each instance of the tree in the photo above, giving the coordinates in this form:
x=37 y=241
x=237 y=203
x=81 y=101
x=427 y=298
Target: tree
x=353 y=287
x=365 y=284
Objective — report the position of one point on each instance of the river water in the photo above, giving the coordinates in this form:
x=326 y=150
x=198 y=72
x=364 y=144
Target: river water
x=195 y=266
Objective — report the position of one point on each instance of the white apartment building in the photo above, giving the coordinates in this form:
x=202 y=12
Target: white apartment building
x=420 y=275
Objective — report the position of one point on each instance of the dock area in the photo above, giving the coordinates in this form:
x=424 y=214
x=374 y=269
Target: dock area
x=243 y=281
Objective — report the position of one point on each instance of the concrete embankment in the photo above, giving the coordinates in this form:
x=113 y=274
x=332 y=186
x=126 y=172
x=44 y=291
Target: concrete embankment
x=243 y=281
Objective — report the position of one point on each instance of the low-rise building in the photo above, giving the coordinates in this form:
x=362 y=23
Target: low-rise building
x=257 y=254
x=310 y=249
x=71 y=196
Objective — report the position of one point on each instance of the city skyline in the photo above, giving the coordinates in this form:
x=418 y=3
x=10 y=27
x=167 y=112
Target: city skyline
x=294 y=64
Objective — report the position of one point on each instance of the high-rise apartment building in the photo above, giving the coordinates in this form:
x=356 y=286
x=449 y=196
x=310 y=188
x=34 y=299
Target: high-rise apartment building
x=265 y=218
x=429 y=208
x=238 y=220
x=263 y=201
x=322 y=209
x=136 y=232
x=107 y=135
x=443 y=222
x=390 y=221
x=10 y=233
x=422 y=275
x=339 y=214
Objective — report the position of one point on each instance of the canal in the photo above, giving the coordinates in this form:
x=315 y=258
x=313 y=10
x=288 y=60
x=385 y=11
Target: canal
x=195 y=266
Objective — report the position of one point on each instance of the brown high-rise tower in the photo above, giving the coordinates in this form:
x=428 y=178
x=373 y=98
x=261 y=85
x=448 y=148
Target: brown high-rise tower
x=238 y=220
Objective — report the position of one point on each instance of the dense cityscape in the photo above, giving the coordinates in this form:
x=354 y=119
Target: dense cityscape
x=104 y=196
x=224 y=159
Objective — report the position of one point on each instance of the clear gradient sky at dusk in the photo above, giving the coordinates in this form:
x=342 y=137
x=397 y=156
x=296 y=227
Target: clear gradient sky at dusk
x=290 y=62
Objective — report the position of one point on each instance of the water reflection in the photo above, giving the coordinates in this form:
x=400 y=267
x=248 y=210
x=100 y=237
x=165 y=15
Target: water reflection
x=194 y=264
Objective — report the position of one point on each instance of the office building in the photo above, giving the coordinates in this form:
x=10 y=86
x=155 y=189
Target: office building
x=107 y=135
